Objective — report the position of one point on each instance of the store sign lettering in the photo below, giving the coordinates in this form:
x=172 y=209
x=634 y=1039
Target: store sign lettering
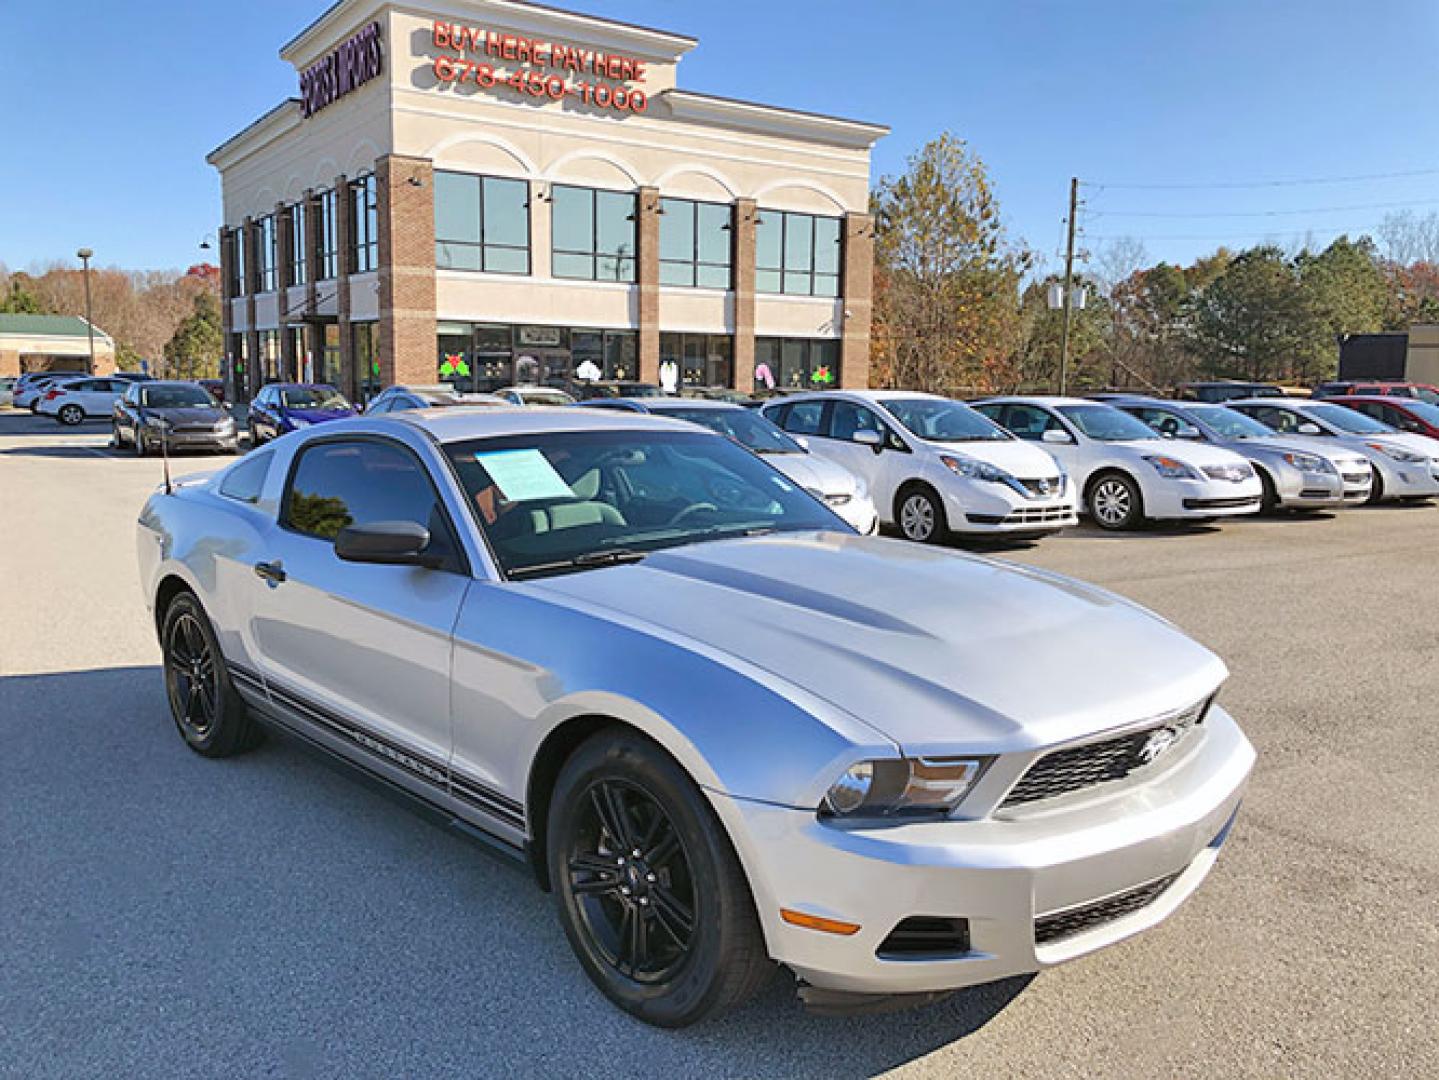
x=354 y=63
x=536 y=68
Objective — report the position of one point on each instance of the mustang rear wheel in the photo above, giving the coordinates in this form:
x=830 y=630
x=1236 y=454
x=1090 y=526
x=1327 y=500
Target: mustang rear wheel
x=650 y=893
x=208 y=711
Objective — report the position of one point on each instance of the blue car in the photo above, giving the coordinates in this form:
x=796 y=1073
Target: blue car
x=283 y=407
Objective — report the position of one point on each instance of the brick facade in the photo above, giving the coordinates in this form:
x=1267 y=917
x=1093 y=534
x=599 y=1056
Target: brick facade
x=647 y=240
x=406 y=200
x=857 y=289
x=746 y=218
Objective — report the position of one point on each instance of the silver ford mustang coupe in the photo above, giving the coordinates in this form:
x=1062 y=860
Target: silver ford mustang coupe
x=721 y=727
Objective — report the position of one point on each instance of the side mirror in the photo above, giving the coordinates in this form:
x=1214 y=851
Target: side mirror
x=1055 y=435
x=873 y=439
x=387 y=543
x=1308 y=428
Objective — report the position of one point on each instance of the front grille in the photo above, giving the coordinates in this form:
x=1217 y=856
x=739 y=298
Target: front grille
x=1356 y=477
x=1078 y=767
x=1036 y=515
x=1232 y=473
x=1219 y=504
x=1066 y=924
x=925 y=935
x=1044 y=489
x=1316 y=493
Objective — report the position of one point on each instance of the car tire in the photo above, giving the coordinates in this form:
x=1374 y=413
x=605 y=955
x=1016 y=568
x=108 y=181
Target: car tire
x=1113 y=502
x=1269 y=500
x=138 y=442
x=670 y=936
x=920 y=515
x=116 y=443
x=254 y=435
x=1376 y=490
x=70 y=415
x=207 y=709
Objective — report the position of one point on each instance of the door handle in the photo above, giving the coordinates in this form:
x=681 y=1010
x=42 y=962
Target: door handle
x=271 y=572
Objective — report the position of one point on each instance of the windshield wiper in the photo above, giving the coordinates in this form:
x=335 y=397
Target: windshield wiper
x=585 y=560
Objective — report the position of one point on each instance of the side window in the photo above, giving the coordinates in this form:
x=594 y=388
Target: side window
x=360 y=482
x=1029 y=422
x=1278 y=419
x=848 y=418
x=805 y=418
x=246 y=481
x=80 y=386
x=377 y=408
x=1166 y=423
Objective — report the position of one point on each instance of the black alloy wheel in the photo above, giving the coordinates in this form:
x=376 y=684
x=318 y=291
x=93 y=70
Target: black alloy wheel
x=206 y=708
x=650 y=892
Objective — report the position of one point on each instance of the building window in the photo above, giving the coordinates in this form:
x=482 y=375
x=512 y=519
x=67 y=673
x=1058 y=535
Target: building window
x=266 y=248
x=364 y=226
x=695 y=244
x=701 y=359
x=327 y=243
x=269 y=356
x=366 y=340
x=615 y=352
x=235 y=250
x=594 y=234
x=482 y=223
x=797 y=254
x=796 y=363
x=299 y=265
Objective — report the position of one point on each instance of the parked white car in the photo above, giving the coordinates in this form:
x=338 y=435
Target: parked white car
x=932 y=465
x=31 y=387
x=534 y=395
x=77 y=400
x=7 y=391
x=1123 y=472
x=1405 y=466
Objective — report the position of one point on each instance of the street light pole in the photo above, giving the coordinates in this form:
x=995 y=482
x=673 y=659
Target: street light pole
x=1068 y=287
x=84 y=254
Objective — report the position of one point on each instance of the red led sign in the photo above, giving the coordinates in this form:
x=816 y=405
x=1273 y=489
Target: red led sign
x=537 y=68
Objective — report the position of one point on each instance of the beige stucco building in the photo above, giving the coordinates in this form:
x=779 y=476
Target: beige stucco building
x=488 y=191
x=52 y=343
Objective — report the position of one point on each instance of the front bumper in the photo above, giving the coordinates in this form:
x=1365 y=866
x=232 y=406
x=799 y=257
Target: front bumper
x=858 y=512
x=1001 y=874
x=1207 y=498
x=197 y=440
x=978 y=507
x=1311 y=491
x=1411 y=480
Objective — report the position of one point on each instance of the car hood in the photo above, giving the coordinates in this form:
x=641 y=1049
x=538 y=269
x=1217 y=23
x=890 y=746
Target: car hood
x=1419 y=444
x=1016 y=457
x=1295 y=446
x=1191 y=453
x=202 y=414
x=317 y=416
x=940 y=651
x=814 y=473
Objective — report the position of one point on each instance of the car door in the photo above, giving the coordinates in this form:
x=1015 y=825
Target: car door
x=882 y=467
x=360 y=650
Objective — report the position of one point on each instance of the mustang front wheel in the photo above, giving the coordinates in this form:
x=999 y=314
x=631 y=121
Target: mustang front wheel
x=650 y=892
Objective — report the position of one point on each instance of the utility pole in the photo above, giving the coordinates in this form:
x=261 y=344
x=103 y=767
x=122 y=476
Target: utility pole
x=84 y=255
x=1068 y=286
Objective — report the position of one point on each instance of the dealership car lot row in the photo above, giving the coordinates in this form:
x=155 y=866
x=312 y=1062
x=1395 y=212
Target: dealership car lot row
x=1249 y=978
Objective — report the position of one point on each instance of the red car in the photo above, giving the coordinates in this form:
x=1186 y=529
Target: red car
x=1407 y=414
x=1421 y=391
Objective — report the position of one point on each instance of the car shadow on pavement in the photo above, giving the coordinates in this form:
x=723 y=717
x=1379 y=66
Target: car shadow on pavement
x=315 y=927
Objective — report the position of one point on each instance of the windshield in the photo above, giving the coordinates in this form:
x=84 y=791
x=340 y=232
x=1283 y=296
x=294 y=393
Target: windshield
x=313 y=397
x=1346 y=419
x=554 y=502
x=1105 y=423
x=1424 y=410
x=1230 y=423
x=742 y=425
x=1424 y=394
x=944 y=421
x=177 y=397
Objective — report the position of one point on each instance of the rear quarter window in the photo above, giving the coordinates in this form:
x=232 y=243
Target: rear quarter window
x=246 y=481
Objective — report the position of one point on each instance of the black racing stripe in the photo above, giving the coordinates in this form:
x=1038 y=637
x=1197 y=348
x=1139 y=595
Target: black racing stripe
x=417 y=764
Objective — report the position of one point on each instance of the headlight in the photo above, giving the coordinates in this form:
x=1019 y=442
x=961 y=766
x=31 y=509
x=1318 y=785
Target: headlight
x=296 y=422
x=225 y=425
x=903 y=786
x=1397 y=454
x=975 y=470
x=1171 y=469
x=159 y=423
x=1309 y=463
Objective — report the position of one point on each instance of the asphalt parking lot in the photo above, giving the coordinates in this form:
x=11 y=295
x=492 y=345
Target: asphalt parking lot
x=164 y=915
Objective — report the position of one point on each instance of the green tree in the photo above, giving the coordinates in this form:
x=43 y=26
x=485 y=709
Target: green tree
x=193 y=351
x=1253 y=321
x=946 y=275
x=19 y=299
x=1043 y=337
x=1346 y=292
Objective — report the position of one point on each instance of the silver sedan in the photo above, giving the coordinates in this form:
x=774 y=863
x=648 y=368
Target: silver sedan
x=725 y=730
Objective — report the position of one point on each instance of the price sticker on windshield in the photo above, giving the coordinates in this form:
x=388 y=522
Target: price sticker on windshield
x=524 y=475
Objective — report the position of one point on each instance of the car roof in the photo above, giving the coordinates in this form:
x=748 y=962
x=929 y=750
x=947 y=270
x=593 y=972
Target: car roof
x=663 y=404
x=1397 y=400
x=455 y=424
x=1046 y=400
x=1299 y=404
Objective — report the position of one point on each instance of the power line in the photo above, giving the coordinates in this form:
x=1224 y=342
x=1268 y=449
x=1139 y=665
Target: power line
x=1230 y=185
x=1262 y=213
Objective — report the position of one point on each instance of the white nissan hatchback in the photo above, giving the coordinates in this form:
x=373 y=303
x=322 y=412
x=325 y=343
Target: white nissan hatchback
x=932 y=465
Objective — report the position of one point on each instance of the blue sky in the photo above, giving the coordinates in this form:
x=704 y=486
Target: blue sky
x=108 y=109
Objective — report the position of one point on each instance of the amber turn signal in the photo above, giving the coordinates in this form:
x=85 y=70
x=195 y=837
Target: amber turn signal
x=815 y=922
